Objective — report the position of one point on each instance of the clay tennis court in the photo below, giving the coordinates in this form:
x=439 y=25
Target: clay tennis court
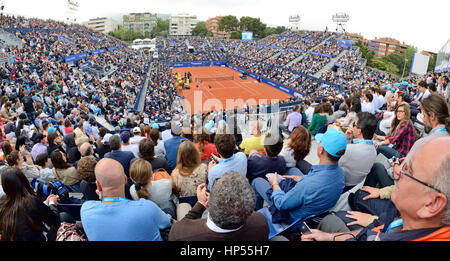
x=237 y=91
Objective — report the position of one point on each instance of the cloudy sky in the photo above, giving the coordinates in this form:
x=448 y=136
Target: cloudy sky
x=424 y=24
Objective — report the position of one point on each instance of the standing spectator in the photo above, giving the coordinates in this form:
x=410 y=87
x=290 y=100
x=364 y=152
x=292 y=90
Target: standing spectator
x=116 y=218
x=189 y=172
x=231 y=215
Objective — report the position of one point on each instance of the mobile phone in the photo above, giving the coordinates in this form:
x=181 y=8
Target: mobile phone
x=305 y=229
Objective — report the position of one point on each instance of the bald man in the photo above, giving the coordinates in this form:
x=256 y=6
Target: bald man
x=421 y=196
x=114 y=217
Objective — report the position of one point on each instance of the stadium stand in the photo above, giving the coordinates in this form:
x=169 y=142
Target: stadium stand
x=67 y=92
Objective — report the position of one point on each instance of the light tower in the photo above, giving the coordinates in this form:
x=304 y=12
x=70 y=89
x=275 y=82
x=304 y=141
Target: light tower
x=72 y=10
x=294 y=22
x=341 y=20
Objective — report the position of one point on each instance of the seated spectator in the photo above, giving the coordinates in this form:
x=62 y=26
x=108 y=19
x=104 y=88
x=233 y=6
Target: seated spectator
x=315 y=193
x=205 y=146
x=423 y=211
x=160 y=151
x=297 y=147
x=147 y=152
x=64 y=171
x=350 y=118
x=158 y=191
x=73 y=153
x=126 y=146
x=402 y=135
x=367 y=104
x=171 y=145
x=16 y=159
x=230 y=218
x=68 y=128
x=39 y=147
x=329 y=113
x=319 y=119
x=42 y=163
x=55 y=141
x=190 y=171
x=137 y=137
x=85 y=167
x=23 y=216
x=227 y=160
x=87 y=150
x=167 y=133
x=359 y=156
x=104 y=147
x=256 y=141
x=260 y=165
x=124 y=157
x=116 y=218
x=293 y=120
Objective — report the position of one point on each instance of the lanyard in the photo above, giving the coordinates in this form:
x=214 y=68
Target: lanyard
x=394 y=224
x=226 y=160
x=437 y=130
x=112 y=199
x=358 y=141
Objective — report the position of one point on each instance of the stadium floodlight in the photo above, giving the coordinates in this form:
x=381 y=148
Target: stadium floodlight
x=294 y=22
x=341 y=20
x=72 y=9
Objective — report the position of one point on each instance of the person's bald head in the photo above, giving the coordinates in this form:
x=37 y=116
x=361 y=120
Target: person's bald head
x=110 y=174
x=86 y=149
x=421 y=203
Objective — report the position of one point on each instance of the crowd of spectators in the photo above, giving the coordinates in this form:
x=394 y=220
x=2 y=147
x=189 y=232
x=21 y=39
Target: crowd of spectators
x=132 y=182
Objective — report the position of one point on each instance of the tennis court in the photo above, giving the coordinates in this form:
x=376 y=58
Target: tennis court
x=225 y=92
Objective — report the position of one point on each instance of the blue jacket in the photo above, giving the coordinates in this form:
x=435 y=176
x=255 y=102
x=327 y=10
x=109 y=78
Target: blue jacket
x=171 y=145
x=314 y=194
x=124 y=157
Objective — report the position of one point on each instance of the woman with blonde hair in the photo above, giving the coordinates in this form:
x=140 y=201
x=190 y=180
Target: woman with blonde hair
x=402 y=135
x=189 y=172
x=159 y=191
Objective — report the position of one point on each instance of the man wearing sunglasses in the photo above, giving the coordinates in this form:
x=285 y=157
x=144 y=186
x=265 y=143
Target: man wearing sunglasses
x=421 y=197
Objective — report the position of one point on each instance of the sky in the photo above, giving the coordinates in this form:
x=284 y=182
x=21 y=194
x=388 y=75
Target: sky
x=423 y=24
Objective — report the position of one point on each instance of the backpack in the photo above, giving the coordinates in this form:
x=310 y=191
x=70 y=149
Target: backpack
x=47 y=187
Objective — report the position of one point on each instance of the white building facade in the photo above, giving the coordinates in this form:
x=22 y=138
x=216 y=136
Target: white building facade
x=182 y=24
x=102 y=25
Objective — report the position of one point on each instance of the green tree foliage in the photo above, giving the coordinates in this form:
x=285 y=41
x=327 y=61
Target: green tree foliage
x=253 y=25
x=236 y=35
x=228 y=23
x=126 y=35
x=200 y=30
x=161 y=28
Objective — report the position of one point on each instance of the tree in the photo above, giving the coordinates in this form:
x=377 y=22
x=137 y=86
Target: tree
x=200 y=29
x=432 y=63
x=161 y=28
x=409 y=53
x=228 y=23
x=236 y=35
x=252 y=25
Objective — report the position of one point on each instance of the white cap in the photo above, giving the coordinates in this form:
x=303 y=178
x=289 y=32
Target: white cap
x=136 y=130
x=42 y=115
x=106 y=138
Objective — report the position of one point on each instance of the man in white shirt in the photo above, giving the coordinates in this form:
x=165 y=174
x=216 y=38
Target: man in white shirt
x=309 y=111
x=166 y=134
x=126 y=146
x=367 y=105
x=137 y=136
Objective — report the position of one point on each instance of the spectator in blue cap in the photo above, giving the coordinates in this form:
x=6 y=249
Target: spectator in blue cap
x=312 y=194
